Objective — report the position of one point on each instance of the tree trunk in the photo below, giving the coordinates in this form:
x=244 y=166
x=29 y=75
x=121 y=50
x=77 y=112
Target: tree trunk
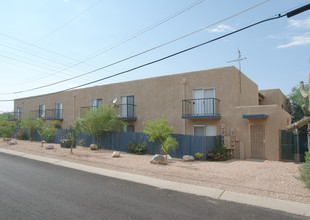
x=157 y=146
x=308 y=137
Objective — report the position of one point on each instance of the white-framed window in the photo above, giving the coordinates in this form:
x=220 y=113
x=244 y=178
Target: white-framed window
x=95 y=103
x=42 y=111
x=127 y=106
x=19 y=113
x=204 y=130
x=58 y=110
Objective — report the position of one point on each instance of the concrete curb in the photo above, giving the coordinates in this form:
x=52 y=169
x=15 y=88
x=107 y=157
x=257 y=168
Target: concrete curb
x=297 y=208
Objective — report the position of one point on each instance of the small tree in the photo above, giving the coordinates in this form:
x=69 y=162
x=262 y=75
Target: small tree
x=100 y=121
x=74 y=130
x=46 y=130
x=6 y=116
x=7 y=128
x=169 y=144
x=158 y=130
x=30 y=124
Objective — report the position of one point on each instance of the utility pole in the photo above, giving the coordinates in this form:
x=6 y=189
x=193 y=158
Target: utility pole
x=239 y=60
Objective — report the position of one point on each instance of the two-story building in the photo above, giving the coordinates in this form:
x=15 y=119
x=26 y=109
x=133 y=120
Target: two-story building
x=220 y=101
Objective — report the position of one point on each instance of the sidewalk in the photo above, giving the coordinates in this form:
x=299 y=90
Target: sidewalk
x=84 y=159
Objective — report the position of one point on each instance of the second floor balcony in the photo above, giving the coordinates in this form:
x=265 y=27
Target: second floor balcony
x=123 y=111
x=201 y=108
x=48 y=114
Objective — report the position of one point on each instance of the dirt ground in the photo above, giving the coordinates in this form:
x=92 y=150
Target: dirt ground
x=263 y=178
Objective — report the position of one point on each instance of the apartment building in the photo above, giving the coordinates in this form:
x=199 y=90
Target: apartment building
x=212 y=102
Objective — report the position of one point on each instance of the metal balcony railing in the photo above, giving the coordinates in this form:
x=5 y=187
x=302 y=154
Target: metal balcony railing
x=201 y=108
x=127 y=112
x=48 y=114
x=123 y=111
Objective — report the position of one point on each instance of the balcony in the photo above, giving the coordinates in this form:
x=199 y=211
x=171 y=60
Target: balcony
x=201 y=108
x=127 y=112
x=123 y=111
x=48 y=114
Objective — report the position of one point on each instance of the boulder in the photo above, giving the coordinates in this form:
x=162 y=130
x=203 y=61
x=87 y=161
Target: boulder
x=116 y=154
x=158 y=159
x=12 y=142
x=49 y=146
x=188 y=158
x=169 y=158
x=93 y=147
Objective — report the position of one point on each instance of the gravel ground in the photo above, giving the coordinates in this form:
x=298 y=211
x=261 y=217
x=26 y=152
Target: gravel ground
x=263 y=178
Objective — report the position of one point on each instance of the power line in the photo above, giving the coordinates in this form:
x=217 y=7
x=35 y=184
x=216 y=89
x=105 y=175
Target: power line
x=136 y=55
x=289 y=14
x=148 y=28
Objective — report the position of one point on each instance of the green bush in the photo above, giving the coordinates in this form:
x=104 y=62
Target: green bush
x=219 y=154
x=137 y=147
x=305 y=170
x=21 y=134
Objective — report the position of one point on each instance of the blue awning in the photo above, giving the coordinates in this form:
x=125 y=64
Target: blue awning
x=255 y=116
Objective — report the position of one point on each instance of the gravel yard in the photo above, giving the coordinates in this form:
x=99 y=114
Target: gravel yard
x=264 y=178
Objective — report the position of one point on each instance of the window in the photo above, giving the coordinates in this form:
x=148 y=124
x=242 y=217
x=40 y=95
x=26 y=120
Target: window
x=127 y=107
x=42 y=111
x=19 y=113
x=95 y=103
x=58 y=110
x=205 y=130
x=129 y=128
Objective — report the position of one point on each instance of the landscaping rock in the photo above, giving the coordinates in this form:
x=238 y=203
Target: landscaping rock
x=12 y=142
x=6 y=139
x=93 y=147
x=49 y=146
x=188 y=158
x=158 y=159
x=116 y=154
x=169 y=158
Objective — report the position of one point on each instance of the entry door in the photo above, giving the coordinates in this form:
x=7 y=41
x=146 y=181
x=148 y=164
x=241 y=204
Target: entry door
x=198 y=102
x=257 y=141
x=203 y=103
x=209 y=95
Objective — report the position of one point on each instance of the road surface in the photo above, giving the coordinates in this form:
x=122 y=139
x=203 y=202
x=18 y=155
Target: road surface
x=36 y=190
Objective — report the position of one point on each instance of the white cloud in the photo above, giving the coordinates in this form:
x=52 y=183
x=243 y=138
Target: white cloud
x=221 y=28
x=297 y=41
x=300 y=24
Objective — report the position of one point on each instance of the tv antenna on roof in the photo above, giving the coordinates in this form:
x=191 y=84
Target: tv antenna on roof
x=238 y=60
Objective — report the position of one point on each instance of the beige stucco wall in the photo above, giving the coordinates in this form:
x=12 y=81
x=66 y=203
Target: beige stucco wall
x=275 y=96
x=162 y=96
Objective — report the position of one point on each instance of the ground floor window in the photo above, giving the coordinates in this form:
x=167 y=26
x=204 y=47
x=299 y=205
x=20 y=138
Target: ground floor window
x=205 y=130
x=129 y=128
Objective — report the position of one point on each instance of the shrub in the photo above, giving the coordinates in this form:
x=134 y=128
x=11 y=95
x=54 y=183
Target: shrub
x=305 y=170
x=82 y=143
x=219 y=154
x=199 y=155
x=21 y=134
x=137 y=147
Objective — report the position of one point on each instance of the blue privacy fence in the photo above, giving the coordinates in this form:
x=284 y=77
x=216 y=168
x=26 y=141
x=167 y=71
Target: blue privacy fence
x=188 y=144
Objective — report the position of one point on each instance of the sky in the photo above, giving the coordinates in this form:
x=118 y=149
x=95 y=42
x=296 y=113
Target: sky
x=43 y=42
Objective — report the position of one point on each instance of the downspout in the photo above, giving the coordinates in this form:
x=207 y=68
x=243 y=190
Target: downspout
x=184 y=82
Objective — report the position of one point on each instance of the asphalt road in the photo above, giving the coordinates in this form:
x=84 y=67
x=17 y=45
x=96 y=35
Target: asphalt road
x=36 y=190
